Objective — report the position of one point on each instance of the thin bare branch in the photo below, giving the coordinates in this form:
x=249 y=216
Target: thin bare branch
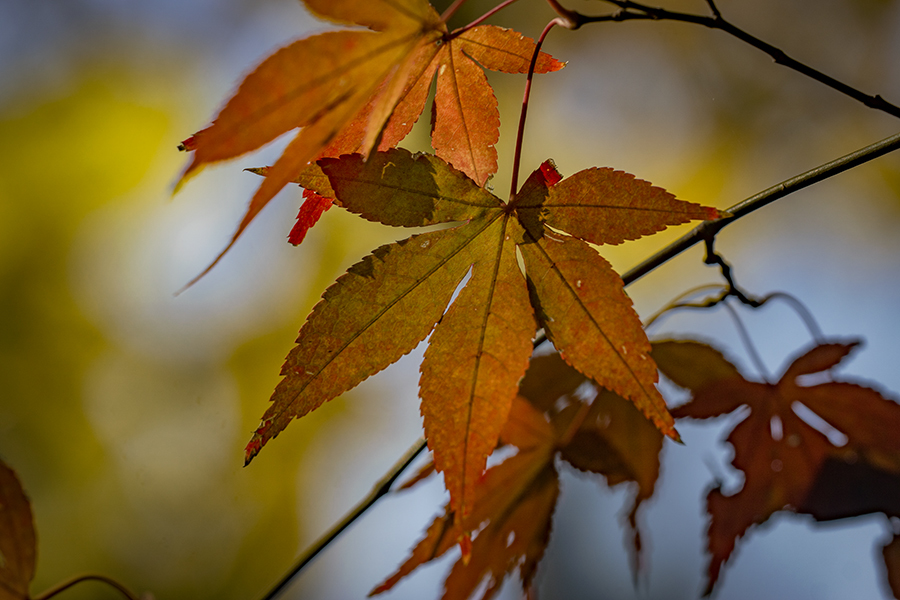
x=765 y=197
x=381 y=488
x=635 y=11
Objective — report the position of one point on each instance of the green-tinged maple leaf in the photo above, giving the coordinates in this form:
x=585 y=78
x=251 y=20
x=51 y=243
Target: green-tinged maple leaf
x=516 y=498
x=352 y=91
x=789 y=464
x=388 y=303
x=17 y=540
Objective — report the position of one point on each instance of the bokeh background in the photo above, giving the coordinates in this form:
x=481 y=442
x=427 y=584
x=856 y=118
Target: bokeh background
x=125 y=408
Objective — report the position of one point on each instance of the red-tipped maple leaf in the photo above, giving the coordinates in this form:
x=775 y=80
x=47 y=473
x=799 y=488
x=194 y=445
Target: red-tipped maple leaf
x=787 y=463
x=516 y=498
x=392 y=300
x=352 y=91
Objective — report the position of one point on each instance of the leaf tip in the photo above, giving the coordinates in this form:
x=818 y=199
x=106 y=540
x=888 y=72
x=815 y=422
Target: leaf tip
x=256 y=442
x=188 y=145
x=312 y=209
x=550 y=172
x=252 y=450
x=465 y=546
x=261 y=171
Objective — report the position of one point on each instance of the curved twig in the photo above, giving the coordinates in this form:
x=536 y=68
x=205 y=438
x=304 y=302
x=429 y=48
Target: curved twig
x=805 y=315
x=87 y=577
x=635 y=11
x=748 y=343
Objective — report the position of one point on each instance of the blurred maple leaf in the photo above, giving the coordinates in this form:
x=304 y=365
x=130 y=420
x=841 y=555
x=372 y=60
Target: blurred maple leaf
x=789 y=464
x=392 y=300
x=352 y=91
x=17 y=539
x=515 y=499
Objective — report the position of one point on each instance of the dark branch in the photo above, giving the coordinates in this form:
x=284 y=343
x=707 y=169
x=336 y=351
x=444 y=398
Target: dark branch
x=381 y=488
x=765 y=197
x=714 y=258
x=635 y=11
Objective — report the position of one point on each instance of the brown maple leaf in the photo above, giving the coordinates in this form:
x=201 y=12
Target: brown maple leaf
x=789 y=464
x=18 y=545
x=515 y=499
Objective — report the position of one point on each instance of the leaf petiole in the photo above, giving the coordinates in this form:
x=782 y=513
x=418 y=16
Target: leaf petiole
x=514 y=185
x=477 y=21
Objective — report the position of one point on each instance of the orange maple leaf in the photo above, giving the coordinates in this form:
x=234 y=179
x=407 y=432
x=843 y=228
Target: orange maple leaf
x=392 y=300
x=352 y=91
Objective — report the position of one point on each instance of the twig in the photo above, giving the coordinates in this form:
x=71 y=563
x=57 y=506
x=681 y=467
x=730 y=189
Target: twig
x=451 y=10
x=765 y=197
x=714 y=258
x=811 y=325
x=748 y=343
x=87 y=577
x=635 y=11
x=679 y=302
x=708 y=229
x=381 y=488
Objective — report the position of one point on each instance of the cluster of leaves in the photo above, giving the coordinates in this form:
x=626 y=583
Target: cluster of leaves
x=355 y=91
x=364 y=91
x=494 y=274
x=844 y=464
x=558 y=414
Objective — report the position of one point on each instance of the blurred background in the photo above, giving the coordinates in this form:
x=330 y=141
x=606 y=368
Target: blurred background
x=125 y=408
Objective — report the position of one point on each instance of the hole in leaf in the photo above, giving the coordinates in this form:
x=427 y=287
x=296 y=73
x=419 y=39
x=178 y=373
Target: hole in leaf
x=836 y=437
x=775 y=428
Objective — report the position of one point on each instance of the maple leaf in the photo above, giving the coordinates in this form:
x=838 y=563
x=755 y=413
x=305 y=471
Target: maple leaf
x=613 y=440
x=515 y=499
x=17 y=539
x=787 y=463
x=392 y=300
x=352 y=91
